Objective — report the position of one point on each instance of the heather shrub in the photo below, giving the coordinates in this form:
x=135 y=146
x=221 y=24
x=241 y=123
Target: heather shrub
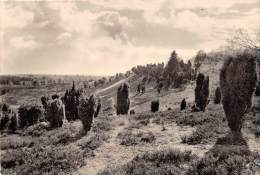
x=42 y=160
x=202 y=134
x=183 y=104
x=202 y=91
x=217 y=99
x=162 y=162
x=55 y=113
x=155 y=106
x=37 y=129
x=123 y=101
x=237 y=83
x=86 y=112
x=129 y=137
x=226 y=160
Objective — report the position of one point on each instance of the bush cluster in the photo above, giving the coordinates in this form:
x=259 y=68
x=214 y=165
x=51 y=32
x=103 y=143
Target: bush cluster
x=29 y=115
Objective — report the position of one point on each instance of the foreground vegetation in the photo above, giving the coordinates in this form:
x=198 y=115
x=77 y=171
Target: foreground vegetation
x=60 y=151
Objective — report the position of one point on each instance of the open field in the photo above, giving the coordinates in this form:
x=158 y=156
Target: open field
x=118 y=144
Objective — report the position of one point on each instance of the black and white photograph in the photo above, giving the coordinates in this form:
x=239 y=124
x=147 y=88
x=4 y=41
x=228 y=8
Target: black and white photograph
x=138 y=87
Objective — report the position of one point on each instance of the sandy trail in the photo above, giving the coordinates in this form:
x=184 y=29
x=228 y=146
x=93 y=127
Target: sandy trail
x=109 y=153
x=113 y=154
x=98 y=91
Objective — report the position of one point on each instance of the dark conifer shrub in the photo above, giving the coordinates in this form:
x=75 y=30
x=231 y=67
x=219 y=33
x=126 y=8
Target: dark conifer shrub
x=132 y=112
x=23 y=113
x=44 y=101
x=138 y=90
x=183 y=104
x=55 y=113
x=13 y=123
x=155 y=106
x=71 y=101
x=4 y=122
x=257 y=91
x=217 y=99
x=123 y=101
x=34 y=114
x=55 y=96
x=159 y=87
x=143 y=89
x=202 y=91
x=237 y=83
x=97 y=109
x=29 y=115
x=5 y=108
x=86 y=112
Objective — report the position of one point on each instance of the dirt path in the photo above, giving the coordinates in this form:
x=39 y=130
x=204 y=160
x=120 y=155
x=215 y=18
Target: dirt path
x=98 y=91
x=112 y=153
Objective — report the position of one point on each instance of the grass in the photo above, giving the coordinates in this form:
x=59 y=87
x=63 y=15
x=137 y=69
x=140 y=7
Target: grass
x=138 y=123
x=209 y=125
x=52 y=152
x=225 y=160
x=161 y=162
x=205 y=133
x=36 y=130
x=13 y=142
x=222 y=160
x=43 y=160
x=129 y=138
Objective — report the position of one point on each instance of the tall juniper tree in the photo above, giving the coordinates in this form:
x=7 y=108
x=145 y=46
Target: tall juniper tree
x=217 y=99
x=237 y=82
x=71 y=102
x=123 y=101
x=202 y=91
x=86 y=111
x=55 y=113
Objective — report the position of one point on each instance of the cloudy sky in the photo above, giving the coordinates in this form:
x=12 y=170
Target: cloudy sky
x=107 y=36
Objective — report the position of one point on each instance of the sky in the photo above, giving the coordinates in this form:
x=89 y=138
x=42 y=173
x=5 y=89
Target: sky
x=103 y=37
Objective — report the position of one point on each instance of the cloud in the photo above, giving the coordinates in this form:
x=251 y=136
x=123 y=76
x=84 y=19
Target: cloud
x=174 y=4
x=14 y=16
x=43 y=24
x=63 y=37
x=23 y=43
x=73 y=20
x=114 y=25
x=109 y=36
